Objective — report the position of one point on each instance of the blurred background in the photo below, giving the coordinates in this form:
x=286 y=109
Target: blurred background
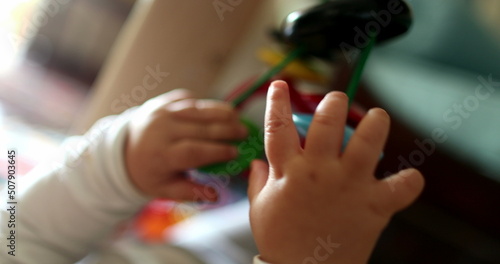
x=66 y=63
x=51 y=54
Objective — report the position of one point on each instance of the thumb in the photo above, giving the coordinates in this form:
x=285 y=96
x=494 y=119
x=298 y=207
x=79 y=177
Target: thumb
x=258 y=178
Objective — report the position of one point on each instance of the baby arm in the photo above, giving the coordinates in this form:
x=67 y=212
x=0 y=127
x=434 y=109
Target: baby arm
x=67 y=207
x=317 y=204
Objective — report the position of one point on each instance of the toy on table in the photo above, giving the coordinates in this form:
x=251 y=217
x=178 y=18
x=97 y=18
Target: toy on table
x=324 y=31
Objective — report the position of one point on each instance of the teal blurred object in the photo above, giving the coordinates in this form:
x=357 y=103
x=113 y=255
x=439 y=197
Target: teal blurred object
x=302 y=122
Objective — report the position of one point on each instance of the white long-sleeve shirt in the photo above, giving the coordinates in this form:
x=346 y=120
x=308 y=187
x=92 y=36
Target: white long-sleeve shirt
x=69 y=205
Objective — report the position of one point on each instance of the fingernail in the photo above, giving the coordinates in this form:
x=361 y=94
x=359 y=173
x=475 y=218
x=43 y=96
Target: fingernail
x=242 y=131
x=275 y=87
x=213 y=197
x=278 y=84
x=376 y=109
x=234 y=152
x=337 y=95
x=406 y=172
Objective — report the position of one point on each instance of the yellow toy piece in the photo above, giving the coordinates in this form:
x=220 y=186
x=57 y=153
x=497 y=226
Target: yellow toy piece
x=296 y=69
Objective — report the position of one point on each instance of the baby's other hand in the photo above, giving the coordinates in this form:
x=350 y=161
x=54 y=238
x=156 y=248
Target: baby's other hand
x=317 y=204
x=175 y=132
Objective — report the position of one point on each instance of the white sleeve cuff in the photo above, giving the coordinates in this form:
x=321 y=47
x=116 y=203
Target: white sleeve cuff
x=70 y=204
x=100 y=157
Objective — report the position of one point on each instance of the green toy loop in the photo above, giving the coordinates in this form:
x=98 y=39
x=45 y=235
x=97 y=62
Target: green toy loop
x=249 y=149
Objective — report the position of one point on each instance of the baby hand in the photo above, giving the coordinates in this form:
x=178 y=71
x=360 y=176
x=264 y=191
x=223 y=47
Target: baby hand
x=317 y=204
x=175 y=132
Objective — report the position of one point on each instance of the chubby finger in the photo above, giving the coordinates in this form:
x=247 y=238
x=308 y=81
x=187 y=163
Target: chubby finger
x=259 y=172
x=188 y=154
x=173 y=96
x=325 y=135
x=366 y=144
x=164 y=99
x=281 y=138
x=400 y=190
x=205 y=111
x=176 y=95
x=214 y=131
